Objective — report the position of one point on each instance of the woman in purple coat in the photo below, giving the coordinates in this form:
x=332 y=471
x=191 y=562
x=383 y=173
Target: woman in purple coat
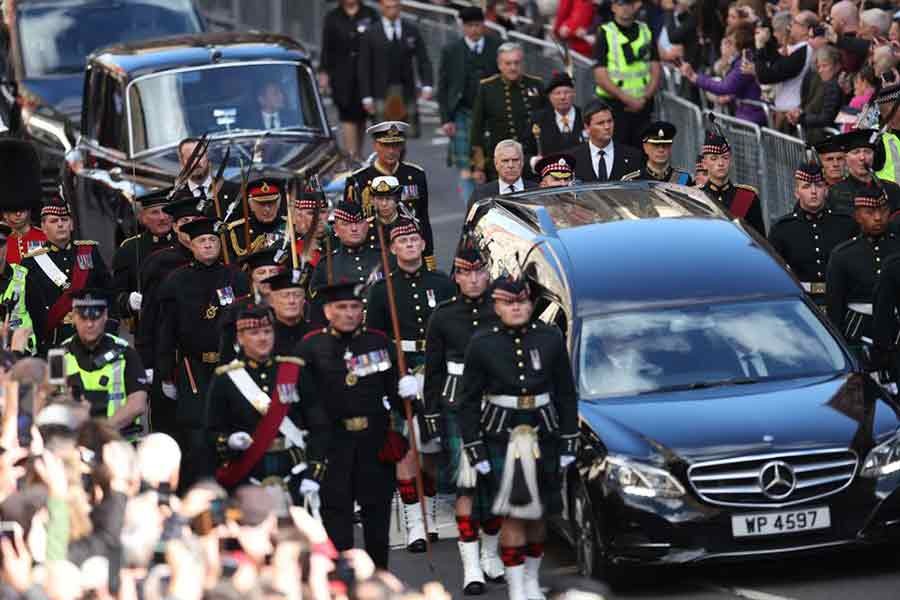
x=736 y=84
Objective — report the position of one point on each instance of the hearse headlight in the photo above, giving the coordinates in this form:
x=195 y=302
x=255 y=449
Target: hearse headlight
x=637 y=479
x=883 y=459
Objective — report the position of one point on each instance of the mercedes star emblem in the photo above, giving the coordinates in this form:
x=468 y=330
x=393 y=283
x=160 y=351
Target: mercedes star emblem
x=777 y=480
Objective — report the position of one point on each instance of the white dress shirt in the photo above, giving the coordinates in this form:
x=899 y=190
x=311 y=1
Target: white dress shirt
x=391 y=28
x=475 y=47
x=608 y=159
x=518 y=186
x=570 y=117
x=196 y=188
x=271 y=120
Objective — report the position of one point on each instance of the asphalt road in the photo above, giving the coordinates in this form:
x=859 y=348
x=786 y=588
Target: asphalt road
x=869 y=575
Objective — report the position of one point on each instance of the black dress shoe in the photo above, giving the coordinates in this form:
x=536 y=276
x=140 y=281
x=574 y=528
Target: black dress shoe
x=500 y=579
x=417 y=546
x=475 y=588
x=433 y=537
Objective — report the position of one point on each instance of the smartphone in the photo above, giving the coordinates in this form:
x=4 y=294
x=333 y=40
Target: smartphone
x=56 y=361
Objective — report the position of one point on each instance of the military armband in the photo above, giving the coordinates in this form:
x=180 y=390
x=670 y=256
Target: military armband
x=475 y=452
x=569 y=444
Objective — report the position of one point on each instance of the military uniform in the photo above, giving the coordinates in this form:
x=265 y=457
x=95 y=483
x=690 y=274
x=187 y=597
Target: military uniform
x=728 y=193
x=192 y=302
x=885 y=323
x=659 y=133
x=357 y=369
x=287 y=337
x=20 y=171
x=840 y=195
x=127 y=264
x=17 y=246
x=671 y=175
x=262 y=235
x=154 y=272
x=504 y=110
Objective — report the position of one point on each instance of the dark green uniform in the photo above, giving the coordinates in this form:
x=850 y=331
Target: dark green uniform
x=524 y=365
x=413 y=195
x=671 y=175
x=805 y=241
x=840 y=195
x=504 y=110
x=361 y=264
x=853 y=272
x=726 y=196
x=884 y=317
x=126 y=265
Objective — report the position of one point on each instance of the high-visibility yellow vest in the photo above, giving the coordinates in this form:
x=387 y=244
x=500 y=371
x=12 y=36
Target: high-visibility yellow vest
x=19 y=316
x=630 y=78
x=109 y=378
x=891 y=158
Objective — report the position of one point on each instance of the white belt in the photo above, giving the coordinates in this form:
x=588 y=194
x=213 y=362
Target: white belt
x=454 y=368
x=859 y=307
x=519 y=402
x=412 y=345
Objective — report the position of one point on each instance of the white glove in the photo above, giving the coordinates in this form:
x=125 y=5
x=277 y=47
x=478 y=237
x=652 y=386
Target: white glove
x=565 y=460
x=134 y=300
x=169 y=390
x=239 y=440
x=483 y=467
x=148 y=373
x=308 y=486
x=408 y=387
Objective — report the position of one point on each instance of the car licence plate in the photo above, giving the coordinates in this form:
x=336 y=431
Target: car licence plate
x=775 y=523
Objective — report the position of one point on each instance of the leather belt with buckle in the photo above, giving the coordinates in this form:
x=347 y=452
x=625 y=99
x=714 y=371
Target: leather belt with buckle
x=412 y=345
x=210 y=357
x=356 y=423
x=526 y=402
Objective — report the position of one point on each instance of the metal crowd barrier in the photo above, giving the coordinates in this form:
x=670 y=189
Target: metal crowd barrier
x=689 y=121
x=782 y=153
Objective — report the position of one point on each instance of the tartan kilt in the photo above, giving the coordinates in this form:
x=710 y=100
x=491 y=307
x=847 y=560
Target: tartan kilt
x=549 y=476
x=459 y=150
x=451 y=441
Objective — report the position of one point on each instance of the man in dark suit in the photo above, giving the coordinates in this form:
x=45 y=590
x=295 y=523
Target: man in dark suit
x=560 y=123
x=464 y=63
x=387 y=83
x=509 y=160
x=272 y=111
x=600 y=158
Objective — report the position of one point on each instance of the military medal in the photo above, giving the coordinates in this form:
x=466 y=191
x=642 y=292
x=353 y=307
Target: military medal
x=410 y=192
x=211 y=311
x=226 y=296
x=351 y=379
x=34 y=245
x=85 y=261
x=535 y=355
x=432 y=301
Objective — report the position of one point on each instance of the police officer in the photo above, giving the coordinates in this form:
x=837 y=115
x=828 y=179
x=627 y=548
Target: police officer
x=504 y=108
x=20 y=171
x=806 y=236
x=831 y=155
x=135 y=251
x=355 y=365
x=256 y=395
x=657 y=139
x=855 y=267
x=417 y=293
x=390 y=140
x=450 y=328
x=266 y=225
x=57 y=270
x=110 y=373
x=520 y=372
x=859 y=155
x=12 y=293
x=556 y=170
x=356 y=260
x=287 y=297
x=887 y=150
x=739 y=200
x=627 y=71
x=192 y=301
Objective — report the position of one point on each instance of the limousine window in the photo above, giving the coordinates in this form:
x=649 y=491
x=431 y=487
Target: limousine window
x=702 y=346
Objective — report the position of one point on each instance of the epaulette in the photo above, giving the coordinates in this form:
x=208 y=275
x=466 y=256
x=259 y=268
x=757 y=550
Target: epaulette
x=314 y=333
x=234 y=224
x=446 y=302
x=631 y=176
x=294 y=360
x=359 y=170
x=84 y=243
x=747 y=187
x=845 y=244
x=491 y=78
x=36 y=252
x=232 y=366
x=532 y=77
x=413 y=165
x=126 y=240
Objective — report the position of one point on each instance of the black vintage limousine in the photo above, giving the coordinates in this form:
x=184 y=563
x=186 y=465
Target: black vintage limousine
x=722 y=416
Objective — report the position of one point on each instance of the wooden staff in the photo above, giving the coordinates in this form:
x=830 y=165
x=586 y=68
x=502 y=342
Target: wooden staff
x=245 y=205
x=216 y=188
x=290 y=223
x=401 y=370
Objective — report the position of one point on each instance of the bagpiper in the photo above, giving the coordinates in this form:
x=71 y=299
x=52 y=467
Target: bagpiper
x=519 y=417
x=450 y=329
x=806 y=236
x=57 y=270
x=855 y=267
x=257 y=417
x=390 y=144
x=739 y=200
x=417 y=292
x=355 y=364
x=266 y=226
x=657 y=139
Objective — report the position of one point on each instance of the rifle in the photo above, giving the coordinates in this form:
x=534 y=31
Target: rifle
x=245 y=175
x=190 y=165
x=216 y=188
x=291 y=234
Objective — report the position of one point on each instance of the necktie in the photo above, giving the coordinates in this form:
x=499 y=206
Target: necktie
x=511 y=189
x=602 y=175
x=565 y=123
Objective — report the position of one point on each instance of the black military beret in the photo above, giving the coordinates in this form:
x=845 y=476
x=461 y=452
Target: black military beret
x=260 y=258
x=203 y=226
